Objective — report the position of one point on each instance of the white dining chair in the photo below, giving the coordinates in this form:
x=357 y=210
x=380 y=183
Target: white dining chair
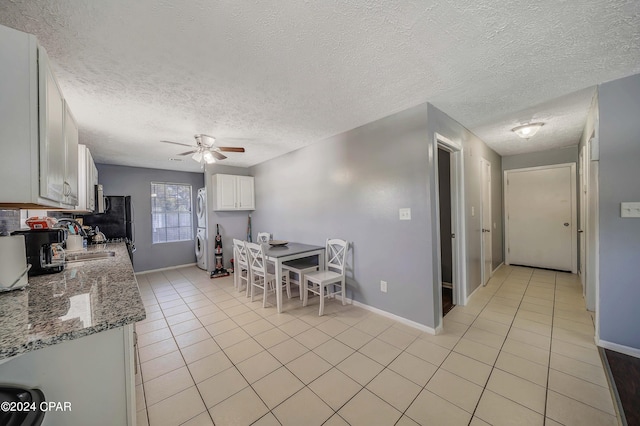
x=241 y=266
x=263 y=237
x=260 y=277
x=333 y=275
x=299 y=267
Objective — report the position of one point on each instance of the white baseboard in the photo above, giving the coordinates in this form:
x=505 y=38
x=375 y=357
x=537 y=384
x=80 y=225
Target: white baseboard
x=497 y=267
x=627 y=350
x=166 y=269
x=395 y=317
x=466 y=300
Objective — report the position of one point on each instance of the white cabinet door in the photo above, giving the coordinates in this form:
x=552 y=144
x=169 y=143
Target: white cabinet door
x=245 y=196
x=225 y=192
x=92 y=181
x=52 y=137
x=233 y=192
x=71 y=160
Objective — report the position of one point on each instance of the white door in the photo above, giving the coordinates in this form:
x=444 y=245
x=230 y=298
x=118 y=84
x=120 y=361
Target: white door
x=540 y=210
x=486 y=220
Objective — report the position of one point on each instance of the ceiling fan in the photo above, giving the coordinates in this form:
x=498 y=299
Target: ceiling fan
x=205 y=151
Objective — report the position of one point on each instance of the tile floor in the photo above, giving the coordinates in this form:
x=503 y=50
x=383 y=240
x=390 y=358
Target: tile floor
x=521 y=352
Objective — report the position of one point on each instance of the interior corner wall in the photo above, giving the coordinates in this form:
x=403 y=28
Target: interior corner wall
x=136 y=181
x=351 y=186
x=619 y=265
x=233 y=224
x=474 y=149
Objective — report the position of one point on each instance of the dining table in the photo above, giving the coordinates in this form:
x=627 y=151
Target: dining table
x=278 y=254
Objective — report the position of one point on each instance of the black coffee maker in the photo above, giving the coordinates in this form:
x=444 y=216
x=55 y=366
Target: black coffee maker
x=40 y=246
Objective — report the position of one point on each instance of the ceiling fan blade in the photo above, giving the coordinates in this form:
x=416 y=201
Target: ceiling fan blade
x=218 y=155
x=188 y=152
x=230 y=149
x=176 y=143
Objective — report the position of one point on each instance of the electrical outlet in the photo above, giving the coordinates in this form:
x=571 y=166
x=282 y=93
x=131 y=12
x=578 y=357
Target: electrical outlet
x=383 y=286
x=405 y=214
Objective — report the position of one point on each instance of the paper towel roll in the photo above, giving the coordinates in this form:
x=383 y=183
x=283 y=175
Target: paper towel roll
x=74 y=243
x=13 y=262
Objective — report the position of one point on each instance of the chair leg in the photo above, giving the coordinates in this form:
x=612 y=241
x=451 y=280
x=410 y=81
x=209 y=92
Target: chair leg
x=264 y=294
x=342 y=291
x=252 y=289
x=300 y=281
x=287 y=279
x=248 y=284
x=303 y=288
x=321 y=288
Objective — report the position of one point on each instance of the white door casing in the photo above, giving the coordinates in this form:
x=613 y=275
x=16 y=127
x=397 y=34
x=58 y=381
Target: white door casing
x=540 y=212
x=582 y=227
x=459 y=270
x=486 y=220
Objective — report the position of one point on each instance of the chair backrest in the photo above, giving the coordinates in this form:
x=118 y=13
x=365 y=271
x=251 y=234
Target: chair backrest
x=240 y=252
x=263 y=237
x=255 y=257
x=336 y=255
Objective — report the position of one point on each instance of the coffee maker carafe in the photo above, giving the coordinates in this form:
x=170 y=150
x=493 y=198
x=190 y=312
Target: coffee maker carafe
x=42 y=246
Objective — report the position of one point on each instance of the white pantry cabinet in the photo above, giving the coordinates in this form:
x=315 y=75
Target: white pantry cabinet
x=38 y=134
x=233 y=192
x=87 y=180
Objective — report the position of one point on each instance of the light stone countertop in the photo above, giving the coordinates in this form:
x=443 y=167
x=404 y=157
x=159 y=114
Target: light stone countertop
x=86 y=298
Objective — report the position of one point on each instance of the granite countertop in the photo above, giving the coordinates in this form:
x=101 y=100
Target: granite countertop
x=86 y=298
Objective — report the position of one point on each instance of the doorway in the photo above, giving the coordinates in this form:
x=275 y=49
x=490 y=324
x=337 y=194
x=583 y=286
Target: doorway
x=449 y=226
x=446 y=246
x=485 y=211
x=540 y=211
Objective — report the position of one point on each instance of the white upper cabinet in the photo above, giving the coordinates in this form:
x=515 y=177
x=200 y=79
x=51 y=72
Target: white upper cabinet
x=38 y=135
x=87 y=180
x=71 y=163
x=233 y=192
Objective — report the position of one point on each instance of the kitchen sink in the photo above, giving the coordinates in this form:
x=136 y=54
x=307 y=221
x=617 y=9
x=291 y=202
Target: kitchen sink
x=92 y=255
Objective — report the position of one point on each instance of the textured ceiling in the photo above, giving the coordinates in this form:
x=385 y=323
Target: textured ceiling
x=287 y=73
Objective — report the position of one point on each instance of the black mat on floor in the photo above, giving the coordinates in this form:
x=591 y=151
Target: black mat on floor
x=626 y=374
x=447 y=300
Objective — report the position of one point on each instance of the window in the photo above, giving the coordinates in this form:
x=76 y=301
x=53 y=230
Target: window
x=171 y=216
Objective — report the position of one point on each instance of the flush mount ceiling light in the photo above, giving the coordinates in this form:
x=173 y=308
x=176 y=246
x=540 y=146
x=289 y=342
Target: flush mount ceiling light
x=527 y=131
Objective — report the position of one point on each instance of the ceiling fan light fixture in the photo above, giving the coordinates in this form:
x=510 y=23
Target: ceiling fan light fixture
x=206 y=140
x=208 y=157
x=197 y=156
x=527 y=131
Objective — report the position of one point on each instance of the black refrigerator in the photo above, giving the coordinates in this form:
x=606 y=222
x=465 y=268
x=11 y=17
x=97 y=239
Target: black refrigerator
x=117 y=219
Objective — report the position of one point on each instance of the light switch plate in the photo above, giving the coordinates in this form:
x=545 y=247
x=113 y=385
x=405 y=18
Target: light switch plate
x=630 y=209
x=405 y=214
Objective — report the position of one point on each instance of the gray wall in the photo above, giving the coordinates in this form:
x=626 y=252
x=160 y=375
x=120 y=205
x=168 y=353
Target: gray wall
x=351 y=186
x=232 y=224
x=541 y=158
x=136 y=181
x=619 y=180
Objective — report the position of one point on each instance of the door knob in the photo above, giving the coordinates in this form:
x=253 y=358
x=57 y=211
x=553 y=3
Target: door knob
x=580 y=231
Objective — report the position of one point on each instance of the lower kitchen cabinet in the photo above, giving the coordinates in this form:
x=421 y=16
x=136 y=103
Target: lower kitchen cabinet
x=95 y=374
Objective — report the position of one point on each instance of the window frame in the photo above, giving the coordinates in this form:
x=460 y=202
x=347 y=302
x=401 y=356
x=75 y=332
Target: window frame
x=164 y=212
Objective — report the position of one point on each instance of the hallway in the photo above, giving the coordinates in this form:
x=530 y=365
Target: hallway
x=521 y=351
